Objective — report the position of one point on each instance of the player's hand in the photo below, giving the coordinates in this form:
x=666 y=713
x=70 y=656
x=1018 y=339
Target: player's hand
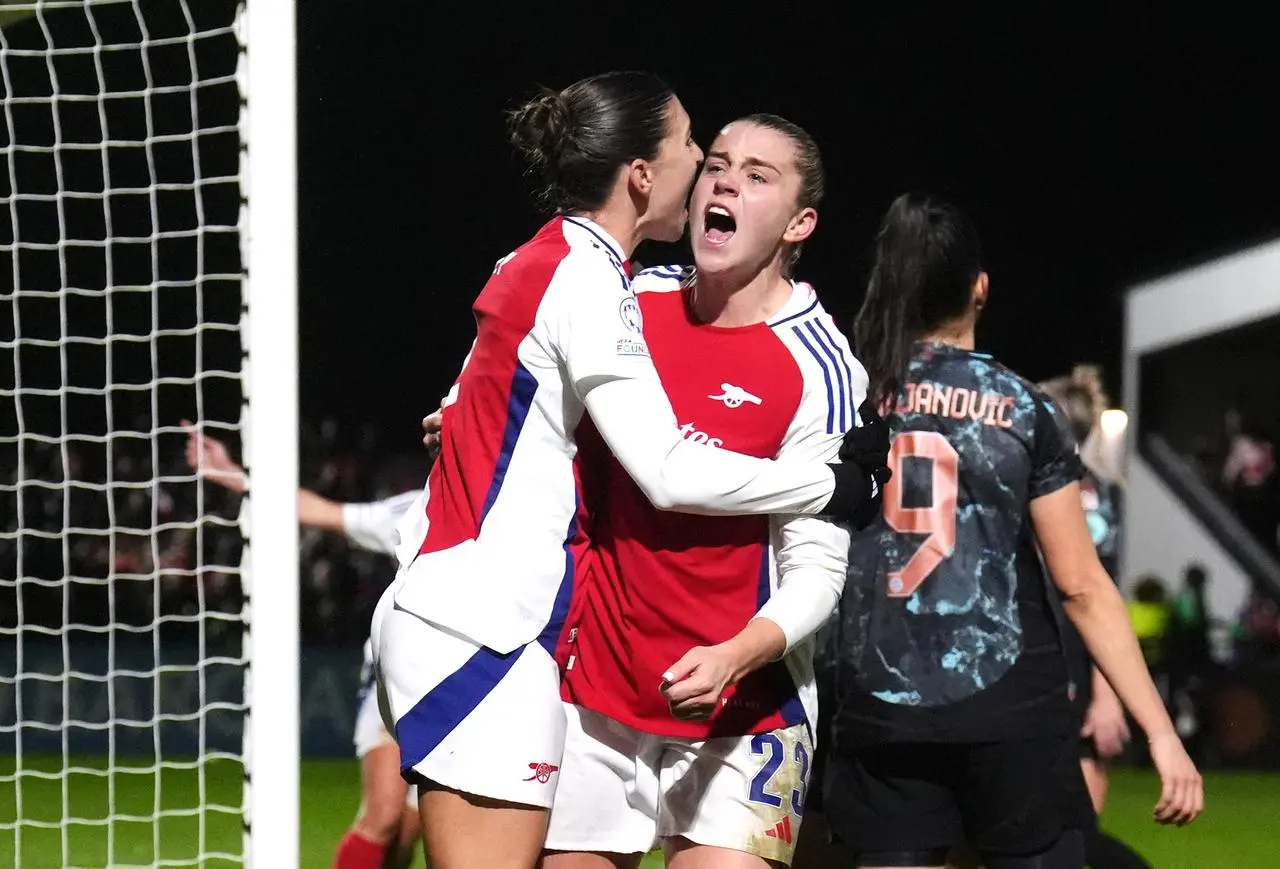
x=867 y=445
x=1181 y=788
x=431 y=427
x=1105 y=724
x=694 y=685
x=209 y=458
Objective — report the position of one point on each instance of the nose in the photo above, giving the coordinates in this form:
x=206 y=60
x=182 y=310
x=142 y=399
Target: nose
x=726 y=182
x=697 y=153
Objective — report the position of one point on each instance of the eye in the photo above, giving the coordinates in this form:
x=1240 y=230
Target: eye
x=713 y=169
x=757 y=177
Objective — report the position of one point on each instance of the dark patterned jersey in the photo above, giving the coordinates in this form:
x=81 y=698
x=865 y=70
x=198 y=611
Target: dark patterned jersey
x=948 y=630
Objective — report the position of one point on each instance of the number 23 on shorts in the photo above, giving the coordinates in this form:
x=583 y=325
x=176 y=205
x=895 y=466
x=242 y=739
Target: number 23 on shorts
x=937 y=520
x=774 y=750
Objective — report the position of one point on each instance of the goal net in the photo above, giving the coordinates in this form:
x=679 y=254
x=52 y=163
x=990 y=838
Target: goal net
x=129 y=657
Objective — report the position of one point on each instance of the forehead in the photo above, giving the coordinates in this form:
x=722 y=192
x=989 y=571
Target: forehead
x=744 y=141
x=677 y=118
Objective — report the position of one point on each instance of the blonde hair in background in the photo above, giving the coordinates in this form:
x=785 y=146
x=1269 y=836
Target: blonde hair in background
x=1083 y=398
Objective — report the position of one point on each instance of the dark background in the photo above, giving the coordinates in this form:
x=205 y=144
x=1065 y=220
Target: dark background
x=1094 y=148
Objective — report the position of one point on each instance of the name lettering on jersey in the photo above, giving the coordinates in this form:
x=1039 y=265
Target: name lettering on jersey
x=497 y=267
x=956 y=402
x=689 y=433
x=734 y=396
x=629 y=311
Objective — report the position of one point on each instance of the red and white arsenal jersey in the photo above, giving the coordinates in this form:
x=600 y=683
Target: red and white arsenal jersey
x=500 y=525
x=657 y=584
x=492 y=554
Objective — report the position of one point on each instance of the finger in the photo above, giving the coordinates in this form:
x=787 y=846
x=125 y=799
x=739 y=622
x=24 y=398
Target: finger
x=688 y=690
x=704 y=701
x=1198 y=805
x=1184 y=800
x=681 y=669
x=1194 y=797
x=1162 y=809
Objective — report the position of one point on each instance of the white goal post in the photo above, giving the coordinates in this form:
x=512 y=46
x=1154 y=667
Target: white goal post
x=149 y=659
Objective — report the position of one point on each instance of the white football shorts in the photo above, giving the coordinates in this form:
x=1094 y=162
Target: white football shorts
x=624 y=791
x=464 y=716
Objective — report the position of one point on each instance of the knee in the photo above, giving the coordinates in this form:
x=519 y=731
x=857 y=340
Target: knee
x=383 y=811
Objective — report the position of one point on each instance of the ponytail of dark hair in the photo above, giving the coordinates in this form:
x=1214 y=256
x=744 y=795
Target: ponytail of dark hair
x=927 y=257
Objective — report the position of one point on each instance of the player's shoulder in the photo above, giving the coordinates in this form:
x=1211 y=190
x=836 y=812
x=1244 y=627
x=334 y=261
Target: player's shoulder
x=663 y=279
x=804 y=315
x=566 y=254
x=835 y=381
x=809 y=330
x=1033 y=409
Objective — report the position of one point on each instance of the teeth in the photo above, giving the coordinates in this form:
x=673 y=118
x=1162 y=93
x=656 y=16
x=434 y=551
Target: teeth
x=716 y=209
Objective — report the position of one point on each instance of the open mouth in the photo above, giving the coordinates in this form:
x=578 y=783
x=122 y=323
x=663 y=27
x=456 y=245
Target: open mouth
x=719 y=225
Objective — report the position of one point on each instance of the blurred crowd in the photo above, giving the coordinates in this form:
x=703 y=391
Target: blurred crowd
x=149 y=545
x=128 y=537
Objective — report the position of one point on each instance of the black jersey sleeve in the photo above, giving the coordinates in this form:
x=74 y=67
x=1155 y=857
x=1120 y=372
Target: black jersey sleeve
x=1055 y=457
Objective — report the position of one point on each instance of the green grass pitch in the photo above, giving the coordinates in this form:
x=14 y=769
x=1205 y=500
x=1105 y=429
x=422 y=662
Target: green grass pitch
x=1238 y=830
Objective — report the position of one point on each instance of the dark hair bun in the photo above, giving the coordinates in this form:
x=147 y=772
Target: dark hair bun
x=541 y=128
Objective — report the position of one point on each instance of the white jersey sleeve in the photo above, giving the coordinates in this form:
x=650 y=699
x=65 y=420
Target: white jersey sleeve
x=596 y=329
x=812 y=554
x=373 y=525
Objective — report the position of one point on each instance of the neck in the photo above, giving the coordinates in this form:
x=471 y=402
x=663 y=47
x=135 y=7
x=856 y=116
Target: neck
x=618 y=219
x=729 y=300
x=959 y=334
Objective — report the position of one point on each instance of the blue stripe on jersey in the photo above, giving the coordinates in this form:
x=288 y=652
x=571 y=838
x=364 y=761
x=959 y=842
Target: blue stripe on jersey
x=842 y=359
x=523 y=387
x=664 y=271
x=806 y=312
x=550 y=636
x=763 y=591
x=820 y=338
x=826 y=375
x=793 y=711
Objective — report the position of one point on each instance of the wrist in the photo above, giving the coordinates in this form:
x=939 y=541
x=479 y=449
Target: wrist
x=760 y=642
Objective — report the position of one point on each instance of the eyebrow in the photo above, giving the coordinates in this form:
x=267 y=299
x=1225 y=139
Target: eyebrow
x=750 y=161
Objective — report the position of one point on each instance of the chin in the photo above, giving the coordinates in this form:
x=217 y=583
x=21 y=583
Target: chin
x=712 y=259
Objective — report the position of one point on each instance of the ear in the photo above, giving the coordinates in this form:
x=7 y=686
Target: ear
x=801 y=226
x=640 y=177
x=981 y=288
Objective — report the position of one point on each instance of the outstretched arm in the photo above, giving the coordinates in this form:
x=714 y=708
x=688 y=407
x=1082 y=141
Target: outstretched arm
x=209 y=458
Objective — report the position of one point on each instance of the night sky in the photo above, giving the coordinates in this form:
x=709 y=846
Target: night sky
x=1093 y=149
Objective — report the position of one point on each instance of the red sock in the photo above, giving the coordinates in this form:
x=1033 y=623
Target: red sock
x=357 y=852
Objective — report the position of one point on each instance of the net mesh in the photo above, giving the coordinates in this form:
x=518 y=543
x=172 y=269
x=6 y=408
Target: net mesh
x=122 y=638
